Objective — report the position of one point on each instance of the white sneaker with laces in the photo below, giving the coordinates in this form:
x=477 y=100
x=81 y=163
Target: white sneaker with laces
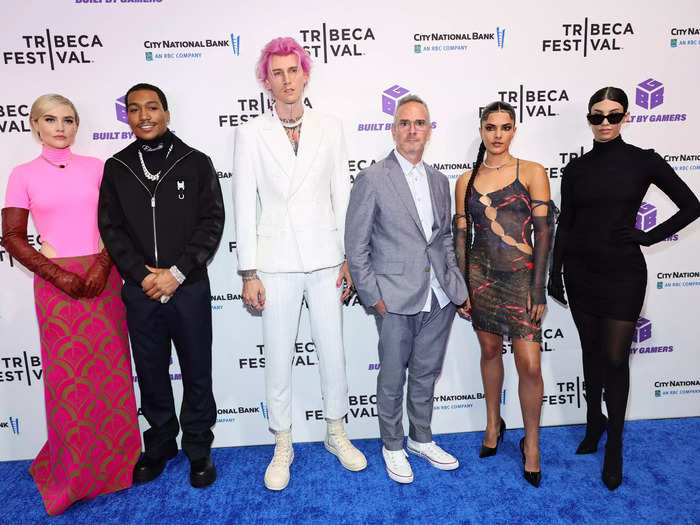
x=277 y=472
x=397 y=466
x=338 y=444
x=437 y=457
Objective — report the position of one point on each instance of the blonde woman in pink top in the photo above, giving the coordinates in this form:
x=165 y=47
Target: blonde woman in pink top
x=93 y=436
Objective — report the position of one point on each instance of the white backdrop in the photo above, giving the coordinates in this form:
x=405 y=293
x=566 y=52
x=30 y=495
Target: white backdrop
x=545 y=58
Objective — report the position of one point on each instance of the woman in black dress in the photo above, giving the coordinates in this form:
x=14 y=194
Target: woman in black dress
x=604 y=269
x=505 y=202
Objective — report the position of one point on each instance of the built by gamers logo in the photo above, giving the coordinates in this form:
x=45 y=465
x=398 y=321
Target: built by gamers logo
x=646 y=220
x=650 y=94
x=389 y=101
x=642 y=337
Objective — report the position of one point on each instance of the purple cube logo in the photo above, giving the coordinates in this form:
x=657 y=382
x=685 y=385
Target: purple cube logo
x=390 y=97
x=650 y=93
x=120 y=107
x=646 y=217
x=643 y=330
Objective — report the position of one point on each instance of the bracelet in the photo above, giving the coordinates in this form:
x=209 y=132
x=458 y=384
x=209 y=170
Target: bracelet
x=179 y=276
x=248 y=278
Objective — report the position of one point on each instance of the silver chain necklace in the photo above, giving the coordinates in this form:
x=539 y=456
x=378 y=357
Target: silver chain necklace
x=152 y=176
x=496 y=167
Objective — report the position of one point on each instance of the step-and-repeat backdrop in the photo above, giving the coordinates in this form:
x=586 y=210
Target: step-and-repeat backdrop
x=544 y=58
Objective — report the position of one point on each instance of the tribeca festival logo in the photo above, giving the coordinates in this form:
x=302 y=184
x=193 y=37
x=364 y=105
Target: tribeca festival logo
x=21 y=369
x=650 y=94
x=11 y=424
x=568 y=392
x=451 y=42
x=589 y=37
x=329 y=43
x=690 y=36
x=53 y=50
x=676 y=387
x=250 y=108
x=533 y=103
x=14 y=118
x=361 y=406
x=642 y=336
x=32 y=239
x=188 y=49
x=304 y=355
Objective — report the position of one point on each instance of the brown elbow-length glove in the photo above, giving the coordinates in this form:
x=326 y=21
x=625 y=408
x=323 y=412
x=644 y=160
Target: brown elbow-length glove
x=97 y=274
x=14 y=239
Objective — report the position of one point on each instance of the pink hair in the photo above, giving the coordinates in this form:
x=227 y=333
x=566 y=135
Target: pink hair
x=281 y=46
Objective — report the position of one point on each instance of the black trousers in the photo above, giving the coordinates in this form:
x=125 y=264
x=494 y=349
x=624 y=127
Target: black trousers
x=186 y=320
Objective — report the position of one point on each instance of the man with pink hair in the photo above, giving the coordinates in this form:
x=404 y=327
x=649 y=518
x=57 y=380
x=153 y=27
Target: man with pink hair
x=296 y=247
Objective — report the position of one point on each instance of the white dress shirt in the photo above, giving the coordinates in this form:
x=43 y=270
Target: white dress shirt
x=418 y=184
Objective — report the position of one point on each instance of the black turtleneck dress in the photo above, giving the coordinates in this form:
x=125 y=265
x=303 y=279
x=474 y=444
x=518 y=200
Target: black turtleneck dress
x=604 y=272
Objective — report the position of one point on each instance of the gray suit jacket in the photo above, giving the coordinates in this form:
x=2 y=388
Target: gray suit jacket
x=388 y=254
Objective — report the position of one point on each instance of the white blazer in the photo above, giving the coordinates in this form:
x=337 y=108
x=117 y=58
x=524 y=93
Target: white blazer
x=303 y=198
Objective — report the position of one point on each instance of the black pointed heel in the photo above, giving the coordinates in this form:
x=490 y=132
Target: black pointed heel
x=612 y=469
x=533 y=478
x=486 y=452
x=589 y=445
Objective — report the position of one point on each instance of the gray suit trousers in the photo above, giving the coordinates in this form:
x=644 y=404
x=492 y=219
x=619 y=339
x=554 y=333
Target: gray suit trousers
x=415 y=342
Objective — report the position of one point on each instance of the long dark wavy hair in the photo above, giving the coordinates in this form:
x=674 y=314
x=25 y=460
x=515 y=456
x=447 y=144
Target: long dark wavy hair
x=491 y=108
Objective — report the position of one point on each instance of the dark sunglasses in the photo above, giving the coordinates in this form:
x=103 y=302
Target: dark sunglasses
x=597 y=118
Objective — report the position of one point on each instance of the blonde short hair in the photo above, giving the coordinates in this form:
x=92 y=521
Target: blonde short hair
x=46 y=103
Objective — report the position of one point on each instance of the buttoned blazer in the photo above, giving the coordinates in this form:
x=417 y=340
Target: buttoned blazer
x=387 y=250
x=290 y=209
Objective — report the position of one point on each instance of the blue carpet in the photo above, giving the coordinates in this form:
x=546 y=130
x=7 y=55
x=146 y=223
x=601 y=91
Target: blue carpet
x=661 y=485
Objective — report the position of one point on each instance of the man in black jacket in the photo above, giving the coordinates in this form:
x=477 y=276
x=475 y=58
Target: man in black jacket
x=161 y=216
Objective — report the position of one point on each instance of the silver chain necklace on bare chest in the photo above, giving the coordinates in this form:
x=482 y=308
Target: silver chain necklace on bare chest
x=152 y=176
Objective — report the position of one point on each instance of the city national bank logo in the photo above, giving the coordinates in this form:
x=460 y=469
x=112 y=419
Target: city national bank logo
x=646 y=220
x=571 y=392
x=455 y=42
x=21 y=369
x=442 y=402
x=677 y=279
x=52 y=50
x=14 y=118
x=648 y=95
x=250 y=108
x=390 y=98
x=533 y=103
x=12 y=424
x=228 y=415
x=684 y=162
x=676 y=387
x=223 y=297
x=642 y=337
x=690 y=36
x=589 y=37
x=330 y=43
x=157 y=50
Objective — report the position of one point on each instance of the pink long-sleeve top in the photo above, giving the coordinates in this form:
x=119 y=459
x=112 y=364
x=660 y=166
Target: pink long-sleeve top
x=62 y=201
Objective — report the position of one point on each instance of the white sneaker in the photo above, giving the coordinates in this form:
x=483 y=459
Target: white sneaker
x=397 y=466
x=437 y=457
x=277 y=472
x=338 y=444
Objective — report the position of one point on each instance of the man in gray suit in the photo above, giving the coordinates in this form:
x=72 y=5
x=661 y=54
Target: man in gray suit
x=402 y=261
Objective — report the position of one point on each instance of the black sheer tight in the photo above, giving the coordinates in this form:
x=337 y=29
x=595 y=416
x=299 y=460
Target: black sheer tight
x=605 y=344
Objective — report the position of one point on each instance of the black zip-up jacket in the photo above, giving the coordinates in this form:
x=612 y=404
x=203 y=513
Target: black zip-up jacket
x=179 y=223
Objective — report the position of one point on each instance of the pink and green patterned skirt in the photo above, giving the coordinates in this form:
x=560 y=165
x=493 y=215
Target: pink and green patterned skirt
x=93 y=434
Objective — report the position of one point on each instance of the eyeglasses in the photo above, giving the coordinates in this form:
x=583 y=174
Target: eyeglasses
x=405 y=124
x=597 y=118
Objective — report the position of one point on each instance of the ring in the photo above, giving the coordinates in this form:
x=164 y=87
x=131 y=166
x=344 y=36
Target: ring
x=164 y=299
